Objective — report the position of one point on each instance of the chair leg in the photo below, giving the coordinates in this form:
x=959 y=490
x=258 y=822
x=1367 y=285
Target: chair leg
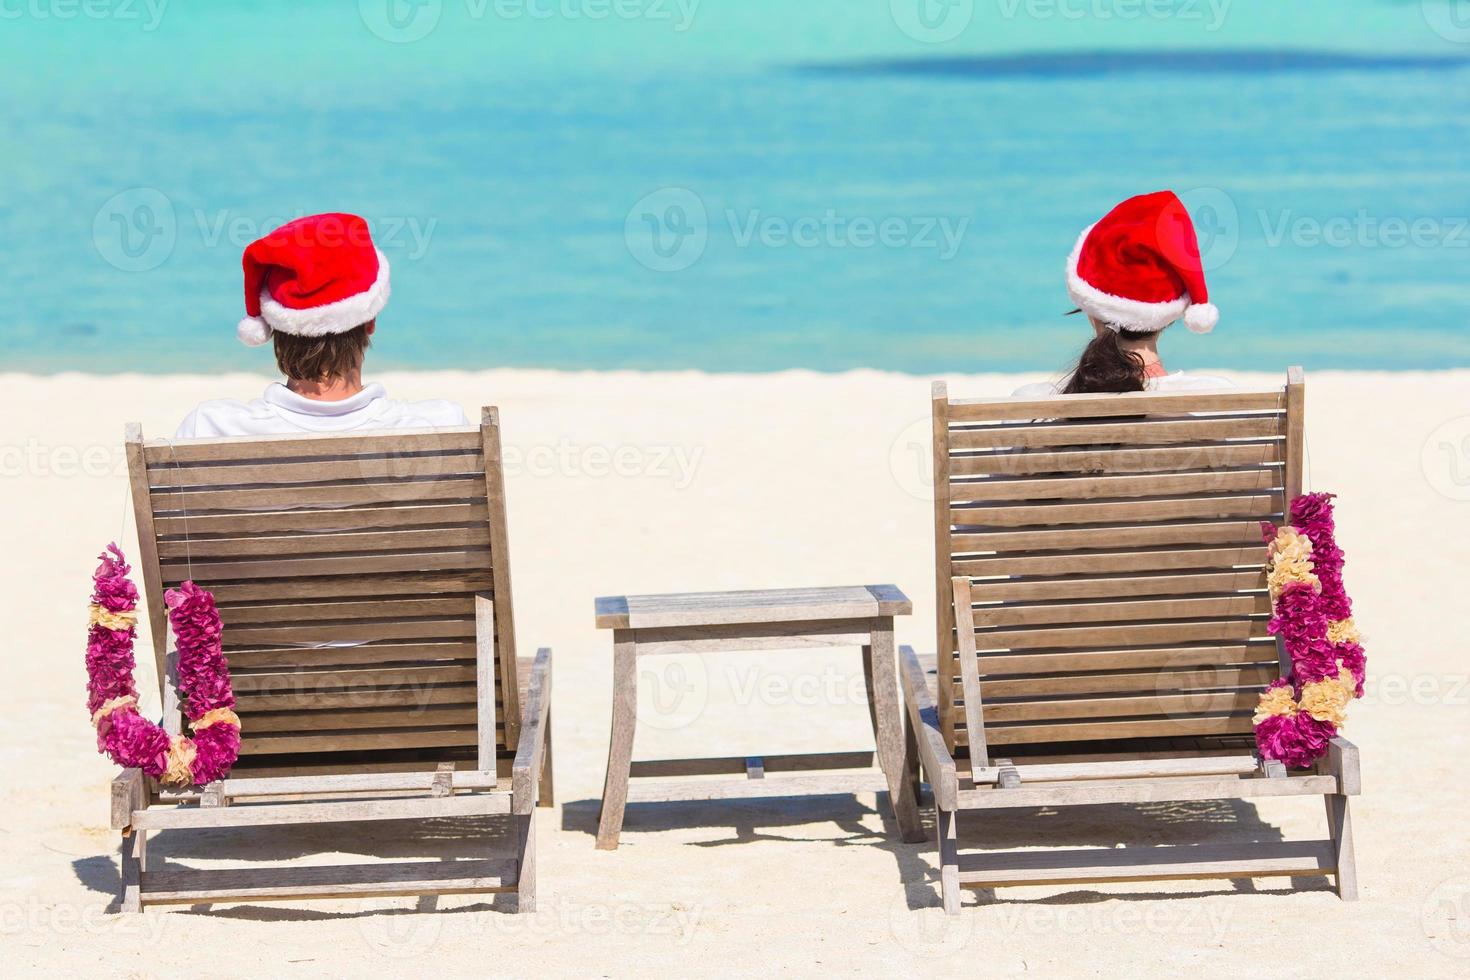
x=547 y=795
x=911 y=763
x=526 y=872
x=620 y=746
x=1340 y=827
x=134 y=856
x=949 y=859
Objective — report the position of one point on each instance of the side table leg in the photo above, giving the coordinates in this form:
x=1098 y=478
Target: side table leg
x=884 y=698
x=868 y=681
x=620 y=746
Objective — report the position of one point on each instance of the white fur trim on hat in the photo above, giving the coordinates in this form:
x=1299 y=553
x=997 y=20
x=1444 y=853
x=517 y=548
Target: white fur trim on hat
x=338 y=317
x=253 y=331
x=1118 y=312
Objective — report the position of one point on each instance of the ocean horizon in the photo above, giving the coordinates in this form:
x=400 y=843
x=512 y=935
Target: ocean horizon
x=723 y=186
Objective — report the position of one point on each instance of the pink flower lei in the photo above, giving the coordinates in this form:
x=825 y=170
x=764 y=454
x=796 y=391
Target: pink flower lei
x=203 y=674
x=1300 y=714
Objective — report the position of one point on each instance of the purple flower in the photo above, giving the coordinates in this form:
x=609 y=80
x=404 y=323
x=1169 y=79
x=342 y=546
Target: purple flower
x=1313 y=661
x=1297 y=741
x=1299 y=617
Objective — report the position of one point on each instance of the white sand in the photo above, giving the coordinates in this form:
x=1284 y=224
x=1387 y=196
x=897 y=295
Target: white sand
x=732 y=482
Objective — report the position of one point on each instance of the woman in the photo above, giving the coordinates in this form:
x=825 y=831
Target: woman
x=1134 y=273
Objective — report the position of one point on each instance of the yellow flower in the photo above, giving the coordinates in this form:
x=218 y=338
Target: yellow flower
x=1276 y=701
x=1343 y=631
x=1285 y=572
x=1327 y=700
x=100 y=616
x=1290 y=545
x=108 y=707
x=215 y=717
x=179 y=762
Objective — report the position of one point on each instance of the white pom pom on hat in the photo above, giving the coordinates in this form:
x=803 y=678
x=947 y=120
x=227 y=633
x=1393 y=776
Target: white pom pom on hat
x=1201 y=317
x=253 y=331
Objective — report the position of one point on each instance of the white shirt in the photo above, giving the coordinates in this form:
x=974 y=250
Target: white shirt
x=280 y=411
x=1178 y=381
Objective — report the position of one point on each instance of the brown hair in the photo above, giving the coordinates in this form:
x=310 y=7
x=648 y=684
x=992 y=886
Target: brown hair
x=324 y=358
x=1106 y=366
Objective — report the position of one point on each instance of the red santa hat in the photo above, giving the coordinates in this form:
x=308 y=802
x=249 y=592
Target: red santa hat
x=312 y=277
x=1139 y=268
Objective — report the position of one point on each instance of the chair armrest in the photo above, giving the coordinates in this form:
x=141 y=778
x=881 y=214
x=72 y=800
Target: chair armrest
x=924 y=717
x=1342 y=762
x=526 y=769
x=129 y=793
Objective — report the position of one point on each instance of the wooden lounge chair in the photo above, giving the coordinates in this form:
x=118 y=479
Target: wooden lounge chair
x=364 y=584
x=1102 y=624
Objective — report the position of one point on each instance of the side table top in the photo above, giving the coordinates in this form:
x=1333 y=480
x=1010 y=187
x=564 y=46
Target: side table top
x=752 y=606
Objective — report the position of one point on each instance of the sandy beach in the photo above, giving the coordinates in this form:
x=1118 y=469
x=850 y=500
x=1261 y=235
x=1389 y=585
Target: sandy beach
x=627 y=482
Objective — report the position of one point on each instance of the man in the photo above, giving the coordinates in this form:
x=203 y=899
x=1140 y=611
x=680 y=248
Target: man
x=315 y=287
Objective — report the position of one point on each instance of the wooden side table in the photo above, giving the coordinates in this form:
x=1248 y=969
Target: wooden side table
x=705 y=622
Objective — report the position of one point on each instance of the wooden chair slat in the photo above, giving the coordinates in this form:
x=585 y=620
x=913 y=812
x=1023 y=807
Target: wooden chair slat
x=171 y=451
x=1258 y=506
x=1092 y=487
x=1158 y=681
x=285 y=546
x=357 y=697
x=963 y=410
x=1141 y=431
x=388 y=739
x=1259 y=651
x=411 y=716
x=1040 y=590
x=1133 y=634
x=293 y=658
x=407 y=466
x=1078 y=708
x=1115 y=730
x=1137 y=536
x=359 y=632
x=303 y=612
x=339 y=519
x=467 y=581
x=1112 y=563
x=408 y=677
x=366 y=564
x=1141 y=610
x=177 y=503
x=1119 y=460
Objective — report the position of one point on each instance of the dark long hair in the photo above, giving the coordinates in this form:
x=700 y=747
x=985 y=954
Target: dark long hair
x=1106 y=366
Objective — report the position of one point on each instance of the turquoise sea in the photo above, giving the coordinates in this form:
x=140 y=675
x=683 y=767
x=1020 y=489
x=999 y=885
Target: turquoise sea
x=734 y=184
